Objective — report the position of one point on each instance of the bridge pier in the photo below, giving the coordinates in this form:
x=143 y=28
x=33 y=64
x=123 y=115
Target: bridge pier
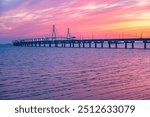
x=70 y=44
x=73 y=44
x=89 y=44
x=49 y=44
x=126 y=45
x=145 y=46
x=132 y=45
x=56 y=44
x=79 y=44
x=39 y=44
x=35 y=44
x=109 y=45
x=95 y=45
x=64 y=45
x=102 y=45
x=116 y=44
x=83 y=45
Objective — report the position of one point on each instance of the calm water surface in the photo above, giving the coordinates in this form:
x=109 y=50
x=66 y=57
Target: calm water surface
x=73 y=73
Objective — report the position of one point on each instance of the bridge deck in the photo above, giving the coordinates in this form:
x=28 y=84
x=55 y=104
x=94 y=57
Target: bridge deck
x=47 y=40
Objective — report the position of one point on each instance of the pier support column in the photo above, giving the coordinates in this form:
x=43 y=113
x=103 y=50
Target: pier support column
x=109 y=45
x=89 y=44
x=79 y=45
x=49 y=44
x=116 y=45
x=83 y=45
x=70 y=45
x=102 y=45
x=56 y=44
x=44 y=44
x=64 y=45
x=39 y=44
x=95 y=45
x=125 y=45
x=132 y=45
x=73 y=45
x=145 y=45
x=35 y=44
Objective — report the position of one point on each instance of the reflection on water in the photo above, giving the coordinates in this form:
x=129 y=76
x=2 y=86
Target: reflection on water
x=73 y=73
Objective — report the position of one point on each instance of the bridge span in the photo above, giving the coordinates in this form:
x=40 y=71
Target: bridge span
x=71 y=41
x=65 y=42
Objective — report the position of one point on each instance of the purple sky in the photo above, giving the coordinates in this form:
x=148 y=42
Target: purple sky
x=34 y=18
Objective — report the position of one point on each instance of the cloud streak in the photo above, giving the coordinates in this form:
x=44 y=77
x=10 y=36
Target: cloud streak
x=32 y=18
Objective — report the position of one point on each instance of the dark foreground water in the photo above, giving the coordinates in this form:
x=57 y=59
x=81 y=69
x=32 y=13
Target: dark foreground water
x=73 y=73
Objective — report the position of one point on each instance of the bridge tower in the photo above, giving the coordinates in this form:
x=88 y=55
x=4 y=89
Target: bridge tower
x=53 y=33
x=68 y=34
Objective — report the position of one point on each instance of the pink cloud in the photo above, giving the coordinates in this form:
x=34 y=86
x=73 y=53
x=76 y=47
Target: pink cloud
x=32 y=18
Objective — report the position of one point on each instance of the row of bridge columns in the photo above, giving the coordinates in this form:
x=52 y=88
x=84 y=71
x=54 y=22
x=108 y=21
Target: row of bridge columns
x=116 y=45
x=39 y=44
x=83 y=44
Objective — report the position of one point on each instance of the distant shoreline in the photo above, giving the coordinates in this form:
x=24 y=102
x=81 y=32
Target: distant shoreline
x=6 y=44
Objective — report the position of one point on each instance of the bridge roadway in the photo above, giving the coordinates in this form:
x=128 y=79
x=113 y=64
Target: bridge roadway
x=43 y=42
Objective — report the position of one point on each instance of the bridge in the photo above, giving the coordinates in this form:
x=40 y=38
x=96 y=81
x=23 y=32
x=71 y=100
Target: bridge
x=71 y=41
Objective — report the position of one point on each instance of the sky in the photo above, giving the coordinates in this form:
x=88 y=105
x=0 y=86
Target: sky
x=21 y=19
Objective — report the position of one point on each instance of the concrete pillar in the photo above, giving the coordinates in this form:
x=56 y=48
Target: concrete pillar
x=145 y=45
x=79 y=45
x=89 y=44
x=64 y=45
x=70 y=44
x=109 y=45
x=83 y=45
x=95 y=45
x=125 y=44
x=73 y=44
x=49 y=44
x=56 y=44
x=116 y=45
x=132 y=45
x=102 y=45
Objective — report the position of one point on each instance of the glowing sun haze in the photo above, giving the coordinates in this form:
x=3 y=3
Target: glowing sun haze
x=34 y=18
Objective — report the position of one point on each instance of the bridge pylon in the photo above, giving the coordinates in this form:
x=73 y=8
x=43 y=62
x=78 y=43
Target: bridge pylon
x=68 y=34
x=53 y=33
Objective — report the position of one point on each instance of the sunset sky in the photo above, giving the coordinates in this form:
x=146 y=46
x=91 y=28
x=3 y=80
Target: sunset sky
x=34 y=18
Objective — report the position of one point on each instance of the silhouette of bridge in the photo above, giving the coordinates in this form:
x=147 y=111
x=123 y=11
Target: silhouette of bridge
x=71 y=41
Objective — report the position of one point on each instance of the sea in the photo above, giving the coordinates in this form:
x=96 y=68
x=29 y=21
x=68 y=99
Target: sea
x=44 y=73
